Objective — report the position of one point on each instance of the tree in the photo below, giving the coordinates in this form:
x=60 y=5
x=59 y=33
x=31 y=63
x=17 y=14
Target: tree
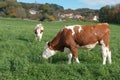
x=3 y=4
x=104 y=14
x=110 y=14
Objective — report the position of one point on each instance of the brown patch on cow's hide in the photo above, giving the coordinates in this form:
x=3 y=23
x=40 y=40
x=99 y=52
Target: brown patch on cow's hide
x=85 y=36
x=90 y=34
x=35 y=31
x=41 y=31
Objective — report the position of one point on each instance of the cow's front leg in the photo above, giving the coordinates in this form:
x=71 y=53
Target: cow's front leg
x=75 y=54
x=77 y=60
x=36 y=37
x=69 y=58
x=40 y=36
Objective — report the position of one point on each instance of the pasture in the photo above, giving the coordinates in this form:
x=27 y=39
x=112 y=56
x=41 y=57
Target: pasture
x=20 y=54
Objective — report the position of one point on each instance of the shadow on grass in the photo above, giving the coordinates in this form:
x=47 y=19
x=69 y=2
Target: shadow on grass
x=58 y=59
x=25 y=39
x=53 y=60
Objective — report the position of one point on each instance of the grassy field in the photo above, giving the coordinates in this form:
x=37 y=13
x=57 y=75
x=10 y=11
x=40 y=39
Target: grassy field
x=20 y=54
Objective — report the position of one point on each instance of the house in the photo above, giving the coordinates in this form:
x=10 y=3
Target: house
x=68 y=15
x=95 y=18
x=32 y=11
x=78 y=16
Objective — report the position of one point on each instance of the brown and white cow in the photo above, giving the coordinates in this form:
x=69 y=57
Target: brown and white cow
x=86 y=36
x=38 y=31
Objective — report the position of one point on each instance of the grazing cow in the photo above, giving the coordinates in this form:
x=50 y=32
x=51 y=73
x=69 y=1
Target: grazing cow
x=86 y=36
x=38 y=31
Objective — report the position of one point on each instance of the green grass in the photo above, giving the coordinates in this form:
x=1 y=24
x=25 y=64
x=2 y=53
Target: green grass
x=20 y=54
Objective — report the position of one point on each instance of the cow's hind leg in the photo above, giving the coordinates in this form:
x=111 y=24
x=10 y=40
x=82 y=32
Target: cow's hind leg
x=105 y=52
x=109 y=56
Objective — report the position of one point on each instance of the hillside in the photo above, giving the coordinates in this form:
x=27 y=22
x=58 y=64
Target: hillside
x=42 y=12
x=20 y=54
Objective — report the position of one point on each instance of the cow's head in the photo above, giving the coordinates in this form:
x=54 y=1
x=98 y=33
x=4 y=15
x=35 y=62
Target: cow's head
x=48 y=51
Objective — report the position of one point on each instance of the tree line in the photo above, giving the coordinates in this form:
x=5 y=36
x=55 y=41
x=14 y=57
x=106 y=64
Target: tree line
x=110 y=14
x=53 y=12
x=12 y=8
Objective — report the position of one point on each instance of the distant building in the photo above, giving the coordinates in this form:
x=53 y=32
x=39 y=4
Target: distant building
x=95 y=18
x=78 y=16
x=33 y=12
x=69 y=15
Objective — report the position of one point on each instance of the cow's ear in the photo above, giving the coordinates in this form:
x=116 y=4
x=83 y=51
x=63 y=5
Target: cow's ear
x=47 y=42
x=50 y=46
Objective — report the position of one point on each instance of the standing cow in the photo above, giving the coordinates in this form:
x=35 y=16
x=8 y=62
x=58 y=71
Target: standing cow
x=86 y=36
x=39 y=32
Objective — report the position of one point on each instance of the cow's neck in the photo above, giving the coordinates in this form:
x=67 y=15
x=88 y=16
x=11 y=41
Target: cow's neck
x=56 y=43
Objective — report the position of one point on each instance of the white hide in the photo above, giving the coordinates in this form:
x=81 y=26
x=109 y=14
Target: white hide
x=40 y=26
x=48 y=52
x=77 y=60
x=105 y=52
x=39 y=34
x=89 y=46
x=72 y=28
x=67 y=50
x=69 y=58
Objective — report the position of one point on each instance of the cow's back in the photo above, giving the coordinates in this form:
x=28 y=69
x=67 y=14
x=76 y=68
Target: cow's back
x=91 y=34
x=102 y=29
